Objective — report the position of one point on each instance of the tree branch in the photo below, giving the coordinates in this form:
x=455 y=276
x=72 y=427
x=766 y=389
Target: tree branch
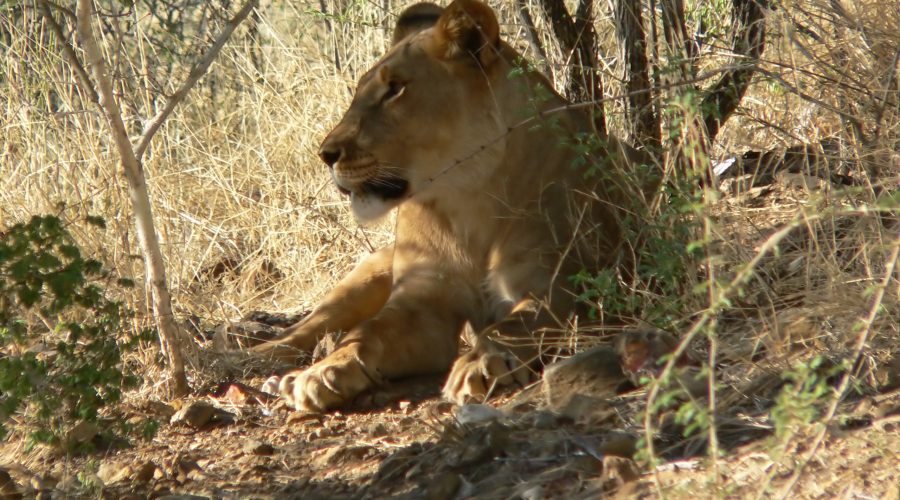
x=532 y=35
x=748 y=42
x=576 y=37
x=197 y=71
x=69 y=53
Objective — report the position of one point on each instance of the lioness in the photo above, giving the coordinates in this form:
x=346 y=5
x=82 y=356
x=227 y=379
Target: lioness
x=495 y=214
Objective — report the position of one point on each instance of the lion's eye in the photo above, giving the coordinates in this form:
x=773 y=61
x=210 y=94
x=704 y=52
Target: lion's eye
x=395 y=89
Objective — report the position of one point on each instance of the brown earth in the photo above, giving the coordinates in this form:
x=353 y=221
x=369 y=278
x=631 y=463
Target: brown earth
x=404 y=442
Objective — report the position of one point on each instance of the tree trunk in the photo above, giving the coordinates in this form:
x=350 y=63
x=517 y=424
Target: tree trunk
x=748 y=41
x=137 y=189
x=577 y=38
x=641 y=119
x=680 y=49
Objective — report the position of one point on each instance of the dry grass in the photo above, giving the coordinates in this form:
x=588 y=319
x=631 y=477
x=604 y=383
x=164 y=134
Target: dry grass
x=249 y=219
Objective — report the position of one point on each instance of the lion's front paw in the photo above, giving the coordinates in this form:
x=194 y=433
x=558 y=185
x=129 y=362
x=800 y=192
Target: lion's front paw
x=327 y=384
x=475 y=374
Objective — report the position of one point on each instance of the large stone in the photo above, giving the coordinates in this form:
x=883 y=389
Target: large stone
x=475 y=414
x=594 y=374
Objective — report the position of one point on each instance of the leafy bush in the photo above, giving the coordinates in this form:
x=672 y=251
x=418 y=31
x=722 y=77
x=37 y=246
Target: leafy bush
x=60 y=336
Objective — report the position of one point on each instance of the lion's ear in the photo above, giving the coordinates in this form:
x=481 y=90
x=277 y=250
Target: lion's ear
x=469 y=28
x=414 y=19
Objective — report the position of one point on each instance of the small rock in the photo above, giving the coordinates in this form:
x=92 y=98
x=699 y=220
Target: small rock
x=144 y=472
x=258 y=448
x=195 y=415
x=112 y=472
x=444 y=487
x=83 y=432
x=477 y=414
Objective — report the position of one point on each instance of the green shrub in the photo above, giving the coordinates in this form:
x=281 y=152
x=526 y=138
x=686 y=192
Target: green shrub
x=61 y=339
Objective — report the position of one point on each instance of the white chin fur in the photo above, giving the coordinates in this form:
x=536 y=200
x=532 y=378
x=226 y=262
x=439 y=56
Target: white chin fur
x=370 y=208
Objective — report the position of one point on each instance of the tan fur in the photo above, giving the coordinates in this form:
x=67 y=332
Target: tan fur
x=494 y=216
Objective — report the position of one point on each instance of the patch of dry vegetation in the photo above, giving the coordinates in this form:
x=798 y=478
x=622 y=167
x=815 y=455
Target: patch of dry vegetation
x=248 y=217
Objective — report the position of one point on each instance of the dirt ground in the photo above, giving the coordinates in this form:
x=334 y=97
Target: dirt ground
x=403 y=441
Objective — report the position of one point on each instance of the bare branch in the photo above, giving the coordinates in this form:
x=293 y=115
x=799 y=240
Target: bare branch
x=69 y=53
x=197 y=71
x=679 y=45
x=532 y=35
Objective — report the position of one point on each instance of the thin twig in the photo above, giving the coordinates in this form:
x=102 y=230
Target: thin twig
x=532 y=35
x=69 y=53
x=739 y=279
x=197 y=71
x=861 y=341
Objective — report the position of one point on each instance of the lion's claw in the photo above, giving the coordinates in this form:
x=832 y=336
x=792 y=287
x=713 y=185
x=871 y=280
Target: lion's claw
x=326 y=385
x=475 y=374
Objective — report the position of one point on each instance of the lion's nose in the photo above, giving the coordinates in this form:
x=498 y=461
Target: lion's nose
x=330 y=154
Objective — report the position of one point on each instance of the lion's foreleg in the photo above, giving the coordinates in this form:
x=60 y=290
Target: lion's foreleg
x=416 y=332
x=356 y=298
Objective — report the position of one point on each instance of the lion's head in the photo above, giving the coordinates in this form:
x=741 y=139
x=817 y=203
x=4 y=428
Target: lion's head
x=426 y=104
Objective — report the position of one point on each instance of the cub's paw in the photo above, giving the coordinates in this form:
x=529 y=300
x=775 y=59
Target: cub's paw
x=328 y=384
x=475 y=374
